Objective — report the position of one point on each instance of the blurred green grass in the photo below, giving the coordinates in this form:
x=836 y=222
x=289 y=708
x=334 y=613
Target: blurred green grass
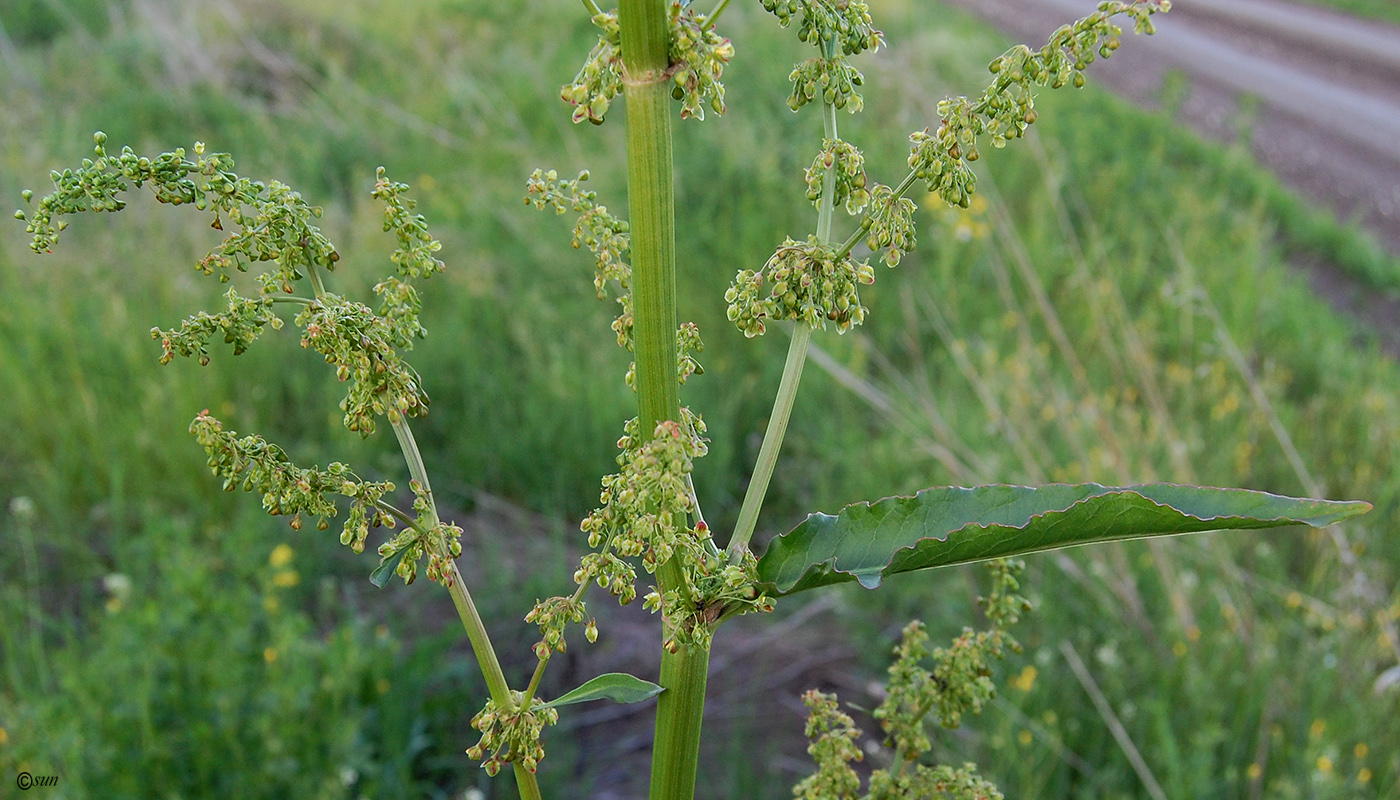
x=1153 y=252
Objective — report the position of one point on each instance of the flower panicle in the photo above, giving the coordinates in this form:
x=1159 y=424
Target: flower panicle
x=1007 y=107
x=271 y=222
x=241 y=325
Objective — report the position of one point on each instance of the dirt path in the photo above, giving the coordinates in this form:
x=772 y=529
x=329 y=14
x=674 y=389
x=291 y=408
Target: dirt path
x=1328 y=93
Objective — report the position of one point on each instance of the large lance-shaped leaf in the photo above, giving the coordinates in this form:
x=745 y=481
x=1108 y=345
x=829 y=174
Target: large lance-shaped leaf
x=618 y=687
x=944 y=525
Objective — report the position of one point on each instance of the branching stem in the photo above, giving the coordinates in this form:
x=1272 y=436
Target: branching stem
x=592 y=7
x=714 y=15
x=792 y=375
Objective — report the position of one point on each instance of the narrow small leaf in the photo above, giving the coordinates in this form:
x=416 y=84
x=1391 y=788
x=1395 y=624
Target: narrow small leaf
x=618 y=687
x=385 y=571
x=942 y=526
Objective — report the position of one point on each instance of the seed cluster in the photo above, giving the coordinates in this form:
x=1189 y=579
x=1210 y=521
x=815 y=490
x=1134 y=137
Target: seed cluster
x=834 y=735
x=820 y=21
x=957 y=684
x=1006 y=108
x=804 y=281
x=603 y=234
x=399 y=304
x=831 y=80
x=361 y=346
x=441 y=542
x=599 y=80
x=890 y=225
x=509 y=735
x=851 y=180
x=257 y=465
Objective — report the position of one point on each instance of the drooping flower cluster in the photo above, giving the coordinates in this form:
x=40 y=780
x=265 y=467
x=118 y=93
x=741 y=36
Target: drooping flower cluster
x=698 y=55
x=820 y=21
x=272 y=222
x=1006 y=108
x=646 y=505
x=510 y=735
x=838 y=30
x=240 y=325
x=440 y=541
x=603 y=234
x=361 y=346
x=890 y=225
x=849 y=164
x=254 y=464
x=399 y=303
x=804 y=281
x=607 y=238
x=831 y=80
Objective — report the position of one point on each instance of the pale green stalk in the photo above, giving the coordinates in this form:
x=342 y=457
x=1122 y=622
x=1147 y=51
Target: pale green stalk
x=792 y=376
x=486 y=658
x=714 y=15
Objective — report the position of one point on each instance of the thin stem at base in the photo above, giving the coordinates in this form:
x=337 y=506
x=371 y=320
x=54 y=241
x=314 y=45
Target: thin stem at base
x=466 y=609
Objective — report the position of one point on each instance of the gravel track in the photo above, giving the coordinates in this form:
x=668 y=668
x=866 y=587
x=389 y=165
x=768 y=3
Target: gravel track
x=1327 y=89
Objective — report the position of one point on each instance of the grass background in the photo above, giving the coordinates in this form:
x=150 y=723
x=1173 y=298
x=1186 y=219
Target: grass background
x=1117 y=307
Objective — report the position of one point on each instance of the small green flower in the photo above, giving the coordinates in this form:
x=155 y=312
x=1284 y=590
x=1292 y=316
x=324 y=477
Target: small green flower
x=821 y=21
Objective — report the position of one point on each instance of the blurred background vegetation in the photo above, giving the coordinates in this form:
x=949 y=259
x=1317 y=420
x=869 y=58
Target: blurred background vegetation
x=1116 y=306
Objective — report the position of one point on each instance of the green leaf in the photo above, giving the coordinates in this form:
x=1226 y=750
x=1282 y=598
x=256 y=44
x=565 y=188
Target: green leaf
x=385 y=571
x=618 y=687
x=942 y=526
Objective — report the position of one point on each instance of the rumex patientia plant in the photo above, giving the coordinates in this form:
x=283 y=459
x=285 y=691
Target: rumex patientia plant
x=654 y=53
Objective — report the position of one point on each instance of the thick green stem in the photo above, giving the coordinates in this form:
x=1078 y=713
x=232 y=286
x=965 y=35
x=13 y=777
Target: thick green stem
x=651 y=212
x=676 y=751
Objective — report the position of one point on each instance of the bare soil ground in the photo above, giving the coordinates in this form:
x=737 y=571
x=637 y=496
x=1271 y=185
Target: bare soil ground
x=1326 y=91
